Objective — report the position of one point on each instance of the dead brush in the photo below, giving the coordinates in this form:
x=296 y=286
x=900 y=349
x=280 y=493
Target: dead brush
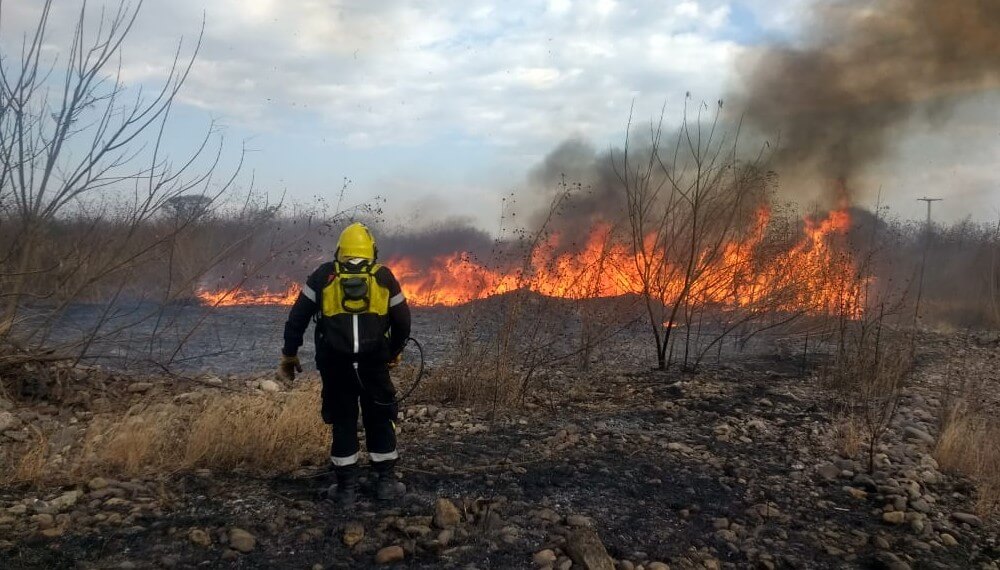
x=870 y=369
x=29 y=467
x=969 y=443
x=467 y=375
x=261 y=433
x=847 y=437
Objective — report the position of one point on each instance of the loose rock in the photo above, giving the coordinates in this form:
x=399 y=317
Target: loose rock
x=579 y=521
x=916 y=434
x=8 y=421
x=241 y=540
x=828 y=471
x=544 y=557
x=891 y=562
x=895 y=517
x=969 y=519
x=446 y=514
x=43 y=520
x=353 y=533
x=199 y=537
x=390 y=554
x=587 y=550
x=65 y=501
x=97 y=483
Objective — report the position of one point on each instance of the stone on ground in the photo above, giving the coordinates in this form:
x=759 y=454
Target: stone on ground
x=587 y=550
x=353 y=533
x=390 y=554
x=446 y=514
x=241 y=540
x=199 y=537
x=8 y=421
x=544 y=557
x=971 y=520
x=97 y=483
x=895 y=517
x=270 y=386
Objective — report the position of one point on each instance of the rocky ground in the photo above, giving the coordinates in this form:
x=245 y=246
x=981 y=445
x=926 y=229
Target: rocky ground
x=737 y=466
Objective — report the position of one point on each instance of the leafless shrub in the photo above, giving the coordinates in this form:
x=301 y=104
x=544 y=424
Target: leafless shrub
x=680 y=212
x=872 y=360
x=871 y=368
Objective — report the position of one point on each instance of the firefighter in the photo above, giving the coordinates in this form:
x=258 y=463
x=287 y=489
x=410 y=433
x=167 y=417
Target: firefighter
x=362 y=325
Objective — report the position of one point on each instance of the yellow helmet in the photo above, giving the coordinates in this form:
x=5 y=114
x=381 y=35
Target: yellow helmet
x=356 y=241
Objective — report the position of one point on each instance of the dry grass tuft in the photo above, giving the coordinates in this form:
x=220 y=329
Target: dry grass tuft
x=848 y=438
x=138 y=441
x=261 y=433
x=970 y=444
x=30 y=466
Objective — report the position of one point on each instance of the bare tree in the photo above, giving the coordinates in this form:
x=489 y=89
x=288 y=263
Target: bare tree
x=685 y=205
x=651 y=212
x=81 y=149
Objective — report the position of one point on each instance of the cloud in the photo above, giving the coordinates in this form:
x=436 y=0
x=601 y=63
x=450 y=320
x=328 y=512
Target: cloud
x=442 y=76
x=388 y=72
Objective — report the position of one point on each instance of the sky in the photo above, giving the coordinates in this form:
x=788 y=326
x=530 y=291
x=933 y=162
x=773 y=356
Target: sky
x=444 y=107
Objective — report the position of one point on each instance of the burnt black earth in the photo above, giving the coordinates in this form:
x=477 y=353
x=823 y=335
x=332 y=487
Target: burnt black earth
x=618 y=466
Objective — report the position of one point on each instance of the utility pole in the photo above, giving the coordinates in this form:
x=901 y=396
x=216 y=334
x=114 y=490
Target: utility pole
x=929 y=202
x=923 y=260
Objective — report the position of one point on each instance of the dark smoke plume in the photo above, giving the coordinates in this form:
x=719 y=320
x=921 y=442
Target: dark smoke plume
x=868 y=67
x=424 y=246
x=589 y=176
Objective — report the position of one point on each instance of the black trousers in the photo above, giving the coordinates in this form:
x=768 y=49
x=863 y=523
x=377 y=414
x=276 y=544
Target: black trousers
x=344 y=387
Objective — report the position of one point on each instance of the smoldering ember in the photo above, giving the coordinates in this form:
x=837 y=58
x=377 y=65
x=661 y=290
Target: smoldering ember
x=590 y=284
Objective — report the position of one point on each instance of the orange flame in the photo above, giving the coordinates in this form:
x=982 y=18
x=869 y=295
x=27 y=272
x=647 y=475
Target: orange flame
x=238 y=296
x=812 y=276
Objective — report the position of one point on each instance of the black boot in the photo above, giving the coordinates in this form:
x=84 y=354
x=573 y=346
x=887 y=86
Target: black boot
x=346 y=492
x=385 y=483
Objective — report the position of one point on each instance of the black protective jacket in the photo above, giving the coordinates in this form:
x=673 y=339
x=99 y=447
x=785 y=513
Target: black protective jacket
x=307 y=306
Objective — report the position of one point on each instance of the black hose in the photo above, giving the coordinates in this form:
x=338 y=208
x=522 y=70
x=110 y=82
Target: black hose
x=420 y=369
x=420 y=376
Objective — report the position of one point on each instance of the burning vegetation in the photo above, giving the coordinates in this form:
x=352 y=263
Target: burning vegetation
x=818 y=266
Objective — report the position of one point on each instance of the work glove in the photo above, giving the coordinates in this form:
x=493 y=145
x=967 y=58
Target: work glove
x=287 y=368
x=396 y=361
